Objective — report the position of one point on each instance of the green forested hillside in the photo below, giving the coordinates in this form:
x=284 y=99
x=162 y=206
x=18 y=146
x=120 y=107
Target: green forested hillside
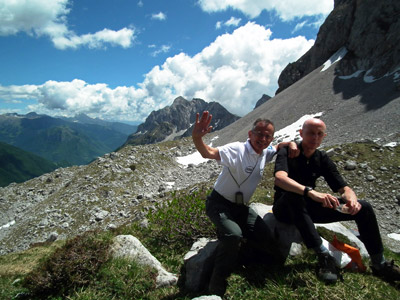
x=17 y=165
x=61 y=141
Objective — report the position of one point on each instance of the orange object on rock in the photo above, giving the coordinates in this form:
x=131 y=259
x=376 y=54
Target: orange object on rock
x=356 y=261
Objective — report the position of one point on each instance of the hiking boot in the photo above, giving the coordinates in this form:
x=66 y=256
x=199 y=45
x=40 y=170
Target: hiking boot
x=389 y=271
x=327 y=270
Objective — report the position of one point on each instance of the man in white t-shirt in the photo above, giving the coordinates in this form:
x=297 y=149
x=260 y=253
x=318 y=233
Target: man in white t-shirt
x=227 y=205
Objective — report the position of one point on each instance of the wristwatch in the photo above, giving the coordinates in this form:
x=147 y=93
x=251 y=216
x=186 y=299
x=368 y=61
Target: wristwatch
x=307 y=189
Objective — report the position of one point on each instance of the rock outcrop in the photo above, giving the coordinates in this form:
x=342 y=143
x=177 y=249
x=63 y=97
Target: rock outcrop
x=368 y=29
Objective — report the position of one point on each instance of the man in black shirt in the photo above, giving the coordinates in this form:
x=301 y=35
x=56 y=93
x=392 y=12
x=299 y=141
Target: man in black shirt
x=296 y=201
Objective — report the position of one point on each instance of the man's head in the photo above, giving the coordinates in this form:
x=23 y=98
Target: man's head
x=261 y=135
x=313 y=132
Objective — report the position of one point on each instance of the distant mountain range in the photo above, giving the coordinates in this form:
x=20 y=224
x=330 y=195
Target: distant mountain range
x=176 y=121
x=17 y=165
x=64 y=141
x=116 y=126
x=34 y=144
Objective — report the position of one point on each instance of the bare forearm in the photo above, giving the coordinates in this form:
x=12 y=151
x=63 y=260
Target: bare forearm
x=285 y=144
x=293 y=151
x=348 y=194
x=288 y=184
x=205 y=150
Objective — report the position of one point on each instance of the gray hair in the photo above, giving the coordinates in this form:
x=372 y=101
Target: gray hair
x=266 y=121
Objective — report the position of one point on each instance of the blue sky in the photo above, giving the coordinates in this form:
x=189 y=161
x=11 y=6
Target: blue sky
x=122 y=59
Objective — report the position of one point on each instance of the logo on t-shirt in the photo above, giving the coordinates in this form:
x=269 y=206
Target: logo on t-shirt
x=249 y=169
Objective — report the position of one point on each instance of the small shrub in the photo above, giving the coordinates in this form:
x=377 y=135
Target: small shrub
x=73 y=265
x=183 y=219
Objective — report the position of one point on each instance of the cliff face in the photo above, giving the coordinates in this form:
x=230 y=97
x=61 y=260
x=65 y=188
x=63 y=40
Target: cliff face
x=368 y=29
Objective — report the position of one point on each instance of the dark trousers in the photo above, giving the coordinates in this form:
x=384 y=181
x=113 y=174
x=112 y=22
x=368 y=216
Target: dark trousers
x=235 y=222
x=304 y=212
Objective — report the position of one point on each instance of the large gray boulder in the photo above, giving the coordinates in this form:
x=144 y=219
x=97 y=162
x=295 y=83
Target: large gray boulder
x=287 y=235
x=128 y=246
x=198 y=263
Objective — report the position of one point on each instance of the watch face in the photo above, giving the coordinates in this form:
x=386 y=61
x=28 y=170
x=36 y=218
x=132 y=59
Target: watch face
x=306 y=190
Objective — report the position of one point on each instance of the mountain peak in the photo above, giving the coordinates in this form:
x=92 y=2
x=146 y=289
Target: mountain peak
x=32 y=115
x=262 y=100
x=176 y=121
x=180 y=101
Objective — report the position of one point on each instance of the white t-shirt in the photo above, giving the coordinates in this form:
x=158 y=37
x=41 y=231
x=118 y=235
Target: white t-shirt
x=245 y=165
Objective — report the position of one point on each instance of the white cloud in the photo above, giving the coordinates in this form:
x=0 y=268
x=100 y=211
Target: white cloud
x=235 y=70
x=77 y=96
x=316 y=24
x=49 y=18
x=122 y=37
x=163 y=49
x=233 y=22
x=160 y=16
x=285 y=9
x=299 y=26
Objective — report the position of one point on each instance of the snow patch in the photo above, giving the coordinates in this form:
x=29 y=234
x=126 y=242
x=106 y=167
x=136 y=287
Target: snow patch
x=174 y=134
x=368 y=78
x=392 y=144
x=334 y=58
x=395 y=236
x=8 y=224
x=169 y=184
x=195 y=158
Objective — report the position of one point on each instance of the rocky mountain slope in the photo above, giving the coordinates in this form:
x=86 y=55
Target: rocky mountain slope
x=176 y=121
x=108 y=192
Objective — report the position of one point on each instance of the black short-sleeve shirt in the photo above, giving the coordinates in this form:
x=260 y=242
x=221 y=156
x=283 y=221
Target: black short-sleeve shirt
x=307 y=170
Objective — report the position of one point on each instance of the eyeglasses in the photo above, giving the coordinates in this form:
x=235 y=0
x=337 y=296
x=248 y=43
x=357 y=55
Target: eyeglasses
x=260 y=135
